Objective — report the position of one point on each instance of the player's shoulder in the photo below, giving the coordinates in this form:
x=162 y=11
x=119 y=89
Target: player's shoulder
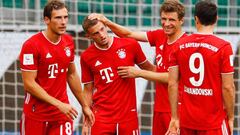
x=219 y=40
x=67 y=38
x=90 y=50
x=33 y=40
x=156 y=33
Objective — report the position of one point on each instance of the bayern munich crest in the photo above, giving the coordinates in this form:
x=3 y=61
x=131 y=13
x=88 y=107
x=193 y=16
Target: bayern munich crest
x=67 y=51
x=121 y=53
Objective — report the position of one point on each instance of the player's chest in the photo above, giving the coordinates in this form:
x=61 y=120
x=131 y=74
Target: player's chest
x=163 y=52
x=111 y=60
x=59 y=56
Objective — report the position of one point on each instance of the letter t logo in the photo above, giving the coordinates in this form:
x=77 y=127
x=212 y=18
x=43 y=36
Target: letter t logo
x=107 y=73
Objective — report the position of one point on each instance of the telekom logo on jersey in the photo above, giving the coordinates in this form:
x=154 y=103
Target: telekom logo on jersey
x=107 y=73
x=52 y=70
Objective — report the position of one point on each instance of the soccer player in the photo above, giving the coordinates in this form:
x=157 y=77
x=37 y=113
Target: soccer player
x=113 y=99
x=47 y=63
x=172 y=17
x=203 y=63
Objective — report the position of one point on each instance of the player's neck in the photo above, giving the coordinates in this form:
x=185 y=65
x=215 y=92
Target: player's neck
x=205 y=29
x=106 y=46
x=173 y=38
x=52 y=37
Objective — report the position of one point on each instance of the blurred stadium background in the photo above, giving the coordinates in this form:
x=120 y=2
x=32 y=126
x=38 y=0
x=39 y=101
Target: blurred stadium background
x=19 y=19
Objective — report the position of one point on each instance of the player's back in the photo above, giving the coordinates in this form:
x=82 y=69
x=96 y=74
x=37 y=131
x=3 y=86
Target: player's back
x=202 y=59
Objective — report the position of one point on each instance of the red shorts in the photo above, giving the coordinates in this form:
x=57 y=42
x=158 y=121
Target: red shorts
x=223 y=130
x=30 y=126
x=124 y=128
x=161 y=122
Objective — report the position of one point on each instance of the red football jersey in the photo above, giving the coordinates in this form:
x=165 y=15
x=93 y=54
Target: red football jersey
x=51 y=62
x=158 y=39
x=114 y=98
x=201 y=60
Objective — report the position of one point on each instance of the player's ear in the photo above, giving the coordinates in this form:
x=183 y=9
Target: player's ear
x=46 y=20
x=196 y=19
x=182 y=21
x=87 y=35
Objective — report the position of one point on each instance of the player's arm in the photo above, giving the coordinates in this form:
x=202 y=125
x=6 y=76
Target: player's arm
x=118 y=29
x=228 y=90
x=88 y=92
x=173 y=99
x=32 y=87
x=147 y=71
x=75 y=85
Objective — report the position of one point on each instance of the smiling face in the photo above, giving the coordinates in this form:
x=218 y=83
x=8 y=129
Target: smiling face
x=171 y=23
x=57 y=24
x=99 y=34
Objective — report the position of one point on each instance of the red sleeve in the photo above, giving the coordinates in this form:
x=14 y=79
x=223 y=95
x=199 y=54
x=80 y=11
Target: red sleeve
x=28 y=56
x=139 y=55
x=70 y=43
x=72 y=51
x=227 y=59
x=85 y=71
x=155 y=36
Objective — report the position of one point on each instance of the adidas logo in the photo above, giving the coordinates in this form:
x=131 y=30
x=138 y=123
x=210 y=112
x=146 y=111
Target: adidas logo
x=48 y=55
x=98 y=63
x=161 y=47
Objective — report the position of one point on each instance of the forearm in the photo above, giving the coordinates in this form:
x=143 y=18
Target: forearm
x=153 y=76
x=118 y=29
x=173 y=91
x=76 y=88
x=173 y=99
x=122 y=31
x=37 y=91
x=229 y=101
x=228 y=91
x=88 y=88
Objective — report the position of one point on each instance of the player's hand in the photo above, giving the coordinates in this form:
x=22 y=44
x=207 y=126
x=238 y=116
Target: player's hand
x=128 y=72
x=68 y=110
x=85 y=128
x=99 y=17
x=230 y=123
x=89 y=118
x=173 y=128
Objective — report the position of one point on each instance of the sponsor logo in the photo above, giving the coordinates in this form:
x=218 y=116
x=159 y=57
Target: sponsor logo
x=52 y=70
x=106 y=74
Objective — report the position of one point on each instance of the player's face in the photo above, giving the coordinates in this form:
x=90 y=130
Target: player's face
x=58 y=22
x=99 y=34
x=170 y=22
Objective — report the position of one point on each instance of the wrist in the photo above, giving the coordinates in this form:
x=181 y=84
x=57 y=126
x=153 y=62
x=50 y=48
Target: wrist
x=138 y=73
x=107 y=22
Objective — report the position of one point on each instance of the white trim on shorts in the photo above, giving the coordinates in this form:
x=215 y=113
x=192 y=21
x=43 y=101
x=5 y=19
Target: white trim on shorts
x=224 y=128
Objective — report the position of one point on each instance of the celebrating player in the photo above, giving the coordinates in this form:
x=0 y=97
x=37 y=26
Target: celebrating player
x=113 y=99
x=172 y=17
